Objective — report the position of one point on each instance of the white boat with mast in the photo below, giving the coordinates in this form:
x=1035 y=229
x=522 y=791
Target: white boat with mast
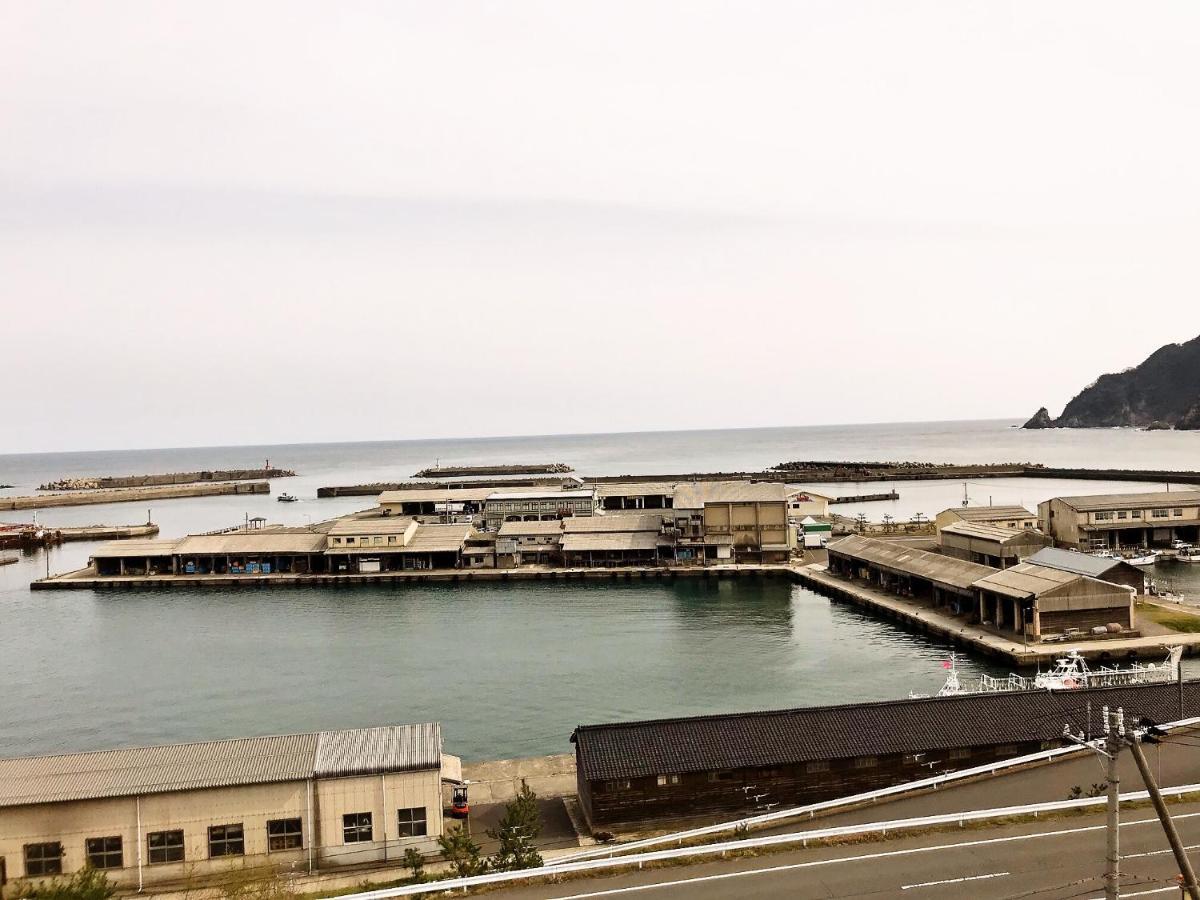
x=1070 y=672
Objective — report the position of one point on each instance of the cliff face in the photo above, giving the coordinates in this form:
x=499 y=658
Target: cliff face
x=1164 y=391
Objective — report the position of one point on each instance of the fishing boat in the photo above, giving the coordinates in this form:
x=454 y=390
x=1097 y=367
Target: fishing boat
x=287 y=498
x=1188 y=555
x=1070 y=672
x=1146 y=558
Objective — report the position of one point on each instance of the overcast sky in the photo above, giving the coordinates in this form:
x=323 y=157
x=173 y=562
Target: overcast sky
x=273 y=222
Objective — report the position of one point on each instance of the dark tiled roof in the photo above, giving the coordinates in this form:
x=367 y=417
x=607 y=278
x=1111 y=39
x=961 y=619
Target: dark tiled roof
x=1079 y=563
x=782 y=737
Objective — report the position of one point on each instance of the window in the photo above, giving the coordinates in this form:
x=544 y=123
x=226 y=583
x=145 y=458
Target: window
x=1135 y=514
x=816 y=766
x=412 y=822
x=1158 y=513
x=378 y=539
x=226 y=840
x=165 y=846
x=665 y=780
x=1122 y=514
x=391 y=539
x=960 y=753
x=104 y=852
x=866 y=762
x=337 y=540
x=725 y=775
x=621 y=785
x=1177 y=511
x=43 y=859
x=1104 y=516
x=284 y=834
x=356 y=828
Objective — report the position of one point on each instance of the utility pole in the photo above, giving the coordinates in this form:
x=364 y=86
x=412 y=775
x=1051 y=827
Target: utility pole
x=1110 y=749
x=1187 y=874
x=1113 y=740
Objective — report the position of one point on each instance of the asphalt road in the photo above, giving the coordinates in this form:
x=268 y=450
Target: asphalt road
x=1053 y=860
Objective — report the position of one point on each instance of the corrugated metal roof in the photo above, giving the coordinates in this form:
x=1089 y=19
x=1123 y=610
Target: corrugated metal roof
x=1026 y=580
x=209 y=764
x=991 y=513
x=439 y=494
x=438 y=538
x=1079 y=563
x=985 y=531
x=113 y=549
x=547 y=494
x=621 y=540
x=242 y=542
x=550 y=526
x=391 y=748
x=373 y=525
x=694 y=494
x=1148 y=499
x=956 y=573
x=148 y=770
x=636 y=488
x=612 y=522
x=783 y=737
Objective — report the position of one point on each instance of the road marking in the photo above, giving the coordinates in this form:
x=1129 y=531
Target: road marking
x=1036 y=835
x=1175 y=889
x=1158 y=852
x=909 y=887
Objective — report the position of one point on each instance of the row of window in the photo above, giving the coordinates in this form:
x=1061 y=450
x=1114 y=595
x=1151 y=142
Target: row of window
x=374 y=540
x=1108 y=515
x=223 y=840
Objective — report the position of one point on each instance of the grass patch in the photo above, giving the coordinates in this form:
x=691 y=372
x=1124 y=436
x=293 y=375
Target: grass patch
x=1177 y=621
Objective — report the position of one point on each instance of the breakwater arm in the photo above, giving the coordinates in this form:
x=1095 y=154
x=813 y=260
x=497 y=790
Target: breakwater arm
x=133 y=494
x=470 y=471
x=105 y=482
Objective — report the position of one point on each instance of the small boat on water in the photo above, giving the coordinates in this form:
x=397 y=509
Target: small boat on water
x=1188 y=555
x=287 y=498
x=1070 y=672
x=1148 y=558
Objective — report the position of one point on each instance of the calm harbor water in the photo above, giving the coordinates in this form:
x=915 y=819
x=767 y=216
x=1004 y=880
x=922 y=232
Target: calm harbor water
x=511 y=669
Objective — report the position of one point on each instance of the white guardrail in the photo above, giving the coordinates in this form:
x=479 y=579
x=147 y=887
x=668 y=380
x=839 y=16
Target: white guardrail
x=586 y=861
x=797 y=837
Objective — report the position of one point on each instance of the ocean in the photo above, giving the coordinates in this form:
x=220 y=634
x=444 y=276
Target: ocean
x=508 y=669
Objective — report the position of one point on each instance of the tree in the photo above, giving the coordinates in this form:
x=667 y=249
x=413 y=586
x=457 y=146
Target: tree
x=519 y=827
x=461 y=852
x=86 y=884
x=416 y=862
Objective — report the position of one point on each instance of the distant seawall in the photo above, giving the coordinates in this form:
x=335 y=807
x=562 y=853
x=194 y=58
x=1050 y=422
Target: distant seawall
x=133 y=494
x=105 y=482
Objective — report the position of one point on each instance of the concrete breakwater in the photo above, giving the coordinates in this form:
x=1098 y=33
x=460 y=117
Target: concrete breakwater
x=804 y=473
x=106 y=482
x=470 y=471
x=134 y=494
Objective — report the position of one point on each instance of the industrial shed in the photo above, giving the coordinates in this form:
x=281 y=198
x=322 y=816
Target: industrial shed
x=1116 y=571
x=1034 y=600
x=901 y=569
x=623 y=548
x=160 y=815
x=640 y=773
x=297 y=550
x=989 y=545
x=135 y=558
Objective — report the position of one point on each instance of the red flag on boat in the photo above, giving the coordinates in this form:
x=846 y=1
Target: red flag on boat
x=946 y=664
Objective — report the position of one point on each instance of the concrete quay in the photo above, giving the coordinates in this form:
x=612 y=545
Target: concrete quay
x=133 y=494
x=87 y=579
x=955 y=630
